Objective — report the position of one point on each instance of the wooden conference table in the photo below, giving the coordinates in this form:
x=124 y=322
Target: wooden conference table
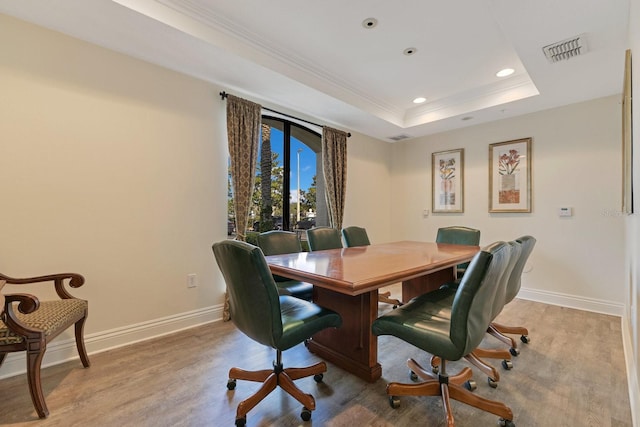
x=347 y=281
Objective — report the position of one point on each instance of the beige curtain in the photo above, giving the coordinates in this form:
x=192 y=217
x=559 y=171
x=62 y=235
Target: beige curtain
x=243 y=132
x=334 y=167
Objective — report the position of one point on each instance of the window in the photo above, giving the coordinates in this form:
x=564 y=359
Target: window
x=292 y=198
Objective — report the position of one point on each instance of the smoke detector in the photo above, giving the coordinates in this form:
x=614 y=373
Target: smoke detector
x=566 y=49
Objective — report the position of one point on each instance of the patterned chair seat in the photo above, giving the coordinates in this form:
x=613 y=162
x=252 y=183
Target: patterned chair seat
x=52 y=317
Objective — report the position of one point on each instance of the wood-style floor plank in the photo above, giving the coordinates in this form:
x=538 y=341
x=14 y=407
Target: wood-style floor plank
x=571 y=374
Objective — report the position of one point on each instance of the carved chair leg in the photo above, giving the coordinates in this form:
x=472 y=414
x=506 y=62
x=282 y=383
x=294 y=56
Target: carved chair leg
x=463 y=395
x=255 y=376
x=446 y=403
x=297 y=373
x=494 y=331
x=82 y=351
x=34 y=360
x=518 y=330
x=487 y=369
x=286 y=383
x=249 y=403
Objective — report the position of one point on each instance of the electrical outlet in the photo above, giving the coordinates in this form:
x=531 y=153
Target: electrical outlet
x=192 y=280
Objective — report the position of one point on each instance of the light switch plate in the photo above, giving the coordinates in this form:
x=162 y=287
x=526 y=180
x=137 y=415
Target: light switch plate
x=565 y=211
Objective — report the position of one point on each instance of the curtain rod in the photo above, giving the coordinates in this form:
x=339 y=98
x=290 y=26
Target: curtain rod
x=224 y=94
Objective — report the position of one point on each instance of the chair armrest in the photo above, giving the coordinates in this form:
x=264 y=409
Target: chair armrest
x=26 y=304
x=75 y=281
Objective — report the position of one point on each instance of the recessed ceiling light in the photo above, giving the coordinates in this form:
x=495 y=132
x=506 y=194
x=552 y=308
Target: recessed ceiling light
x=369 y=22
x=506 y=72
x=410 y=51
x=419 y=100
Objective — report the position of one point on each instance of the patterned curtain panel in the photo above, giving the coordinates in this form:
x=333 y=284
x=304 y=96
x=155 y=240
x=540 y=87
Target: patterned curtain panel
x=334 y=166
x=243 y=132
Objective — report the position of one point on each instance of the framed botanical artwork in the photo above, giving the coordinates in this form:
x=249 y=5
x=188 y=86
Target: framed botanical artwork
x=510 y=176
x=447 y=169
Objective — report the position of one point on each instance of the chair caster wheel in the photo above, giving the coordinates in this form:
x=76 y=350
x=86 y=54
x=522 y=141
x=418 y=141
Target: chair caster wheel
x=241 y=422
x=394 y=401
x=492 y=383
x=506 y=364
x=525 y=339
x=514 y=351
x=231 y=384
x=470 y=385
x=505 y=423
x=305 y=414
x=318 y=378
x=413 y=376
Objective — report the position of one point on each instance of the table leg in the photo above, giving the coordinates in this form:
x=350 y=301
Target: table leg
x=423 y=284
x=352 y=346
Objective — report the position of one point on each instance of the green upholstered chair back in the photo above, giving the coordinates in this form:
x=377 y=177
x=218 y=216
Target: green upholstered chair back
x=499 y=300
x=254 y=304
x=459 y=235
x=472 y=308
x=321 y=238
x=278 y=242
x=526 y=247
x=355 y=236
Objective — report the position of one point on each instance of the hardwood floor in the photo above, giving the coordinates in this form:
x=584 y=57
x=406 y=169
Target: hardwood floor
x=571 y=374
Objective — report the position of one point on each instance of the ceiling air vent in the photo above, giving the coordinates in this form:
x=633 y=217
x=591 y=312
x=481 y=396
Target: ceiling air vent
x=399 y=137
x=566 y=49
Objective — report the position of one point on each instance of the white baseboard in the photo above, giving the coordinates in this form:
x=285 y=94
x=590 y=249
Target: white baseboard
x=63 y=350
x=573 y=301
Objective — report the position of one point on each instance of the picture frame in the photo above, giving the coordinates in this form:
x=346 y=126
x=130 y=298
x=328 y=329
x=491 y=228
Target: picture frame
x=627 y=139
x=447 y=178
x=510 y=176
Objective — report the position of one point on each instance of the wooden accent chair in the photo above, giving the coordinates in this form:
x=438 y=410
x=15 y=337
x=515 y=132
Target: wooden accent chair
x=450 y=331
x=31 y=324
x=357 y=236
x=277 y=321
x=278 y=242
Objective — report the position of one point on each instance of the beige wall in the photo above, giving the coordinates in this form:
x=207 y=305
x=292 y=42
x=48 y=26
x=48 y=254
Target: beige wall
x=113 y=168
x=368 y=187
x=575 y=162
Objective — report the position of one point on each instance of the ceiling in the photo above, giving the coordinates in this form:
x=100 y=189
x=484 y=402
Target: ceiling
x=318 y=61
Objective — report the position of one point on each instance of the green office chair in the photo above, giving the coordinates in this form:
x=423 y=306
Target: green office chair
x=357 y=236
x=277 y=321
x=321 y=238
x=476 y=356
x=459 y=235
x=513 y=287
x=278 y=242
x=450 y=326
